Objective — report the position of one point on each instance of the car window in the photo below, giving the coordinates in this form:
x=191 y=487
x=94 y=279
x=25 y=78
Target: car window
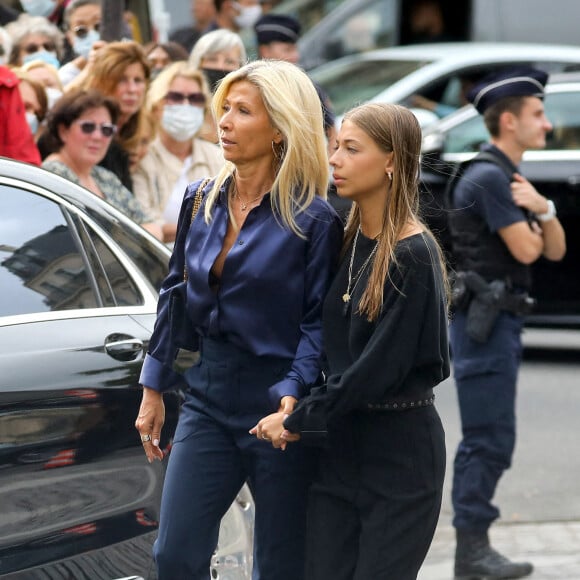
x=121 y=285
x=151 y=260
x=563 y=112
x=42 y=265
x=359 y=81
x=467 y=136
x=561 y=109
x=369 y=28
x=308 y=12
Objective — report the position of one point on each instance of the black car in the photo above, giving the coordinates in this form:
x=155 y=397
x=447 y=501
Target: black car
x=79 y=286
x=554 y=171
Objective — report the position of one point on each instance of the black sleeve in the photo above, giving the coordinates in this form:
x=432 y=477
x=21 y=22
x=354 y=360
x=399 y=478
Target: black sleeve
x=412 y=322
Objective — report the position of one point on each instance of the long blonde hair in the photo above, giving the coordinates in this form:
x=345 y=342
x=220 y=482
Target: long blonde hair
x=395 y=130
x=294 y=109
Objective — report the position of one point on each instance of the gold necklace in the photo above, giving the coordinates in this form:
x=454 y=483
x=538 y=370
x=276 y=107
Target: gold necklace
x=351 y=286
x=244 y=205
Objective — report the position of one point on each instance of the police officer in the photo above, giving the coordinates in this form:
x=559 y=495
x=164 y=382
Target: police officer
x=499 y=226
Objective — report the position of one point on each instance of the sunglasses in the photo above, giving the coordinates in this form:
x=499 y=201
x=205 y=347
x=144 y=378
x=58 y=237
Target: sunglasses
x=89 y=127
x=178 y=98
x=82 y=31
x=31 y=48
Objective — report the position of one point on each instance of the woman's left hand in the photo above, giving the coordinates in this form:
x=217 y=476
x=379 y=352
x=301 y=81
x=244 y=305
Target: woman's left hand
x=271 y=427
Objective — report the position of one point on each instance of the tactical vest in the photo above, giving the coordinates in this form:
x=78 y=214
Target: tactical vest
x=474 y=247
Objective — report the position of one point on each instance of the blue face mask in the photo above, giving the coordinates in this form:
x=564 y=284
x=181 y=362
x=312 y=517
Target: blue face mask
x=44 y=56
x=82 y=46
x=38 y=7
x=32 y=121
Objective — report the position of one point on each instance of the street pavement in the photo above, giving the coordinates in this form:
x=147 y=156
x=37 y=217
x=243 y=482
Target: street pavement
x=539 y=497
x=552 y=547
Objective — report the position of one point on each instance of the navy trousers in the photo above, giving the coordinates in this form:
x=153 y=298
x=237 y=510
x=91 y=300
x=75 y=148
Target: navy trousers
x=213 y=455
x=486 y=376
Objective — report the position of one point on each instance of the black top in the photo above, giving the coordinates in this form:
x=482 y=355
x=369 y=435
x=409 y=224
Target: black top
x=483 y=204
x=400 y=356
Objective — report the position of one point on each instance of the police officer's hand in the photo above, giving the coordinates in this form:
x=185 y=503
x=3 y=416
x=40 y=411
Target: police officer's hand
x=150 y=421
x=525 y=195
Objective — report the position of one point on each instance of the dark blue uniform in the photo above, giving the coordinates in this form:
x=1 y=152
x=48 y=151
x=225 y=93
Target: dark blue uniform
x=485 y=373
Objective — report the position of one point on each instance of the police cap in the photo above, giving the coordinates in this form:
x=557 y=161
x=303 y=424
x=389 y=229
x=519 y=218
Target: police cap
x=513 y=82
x=277 y=28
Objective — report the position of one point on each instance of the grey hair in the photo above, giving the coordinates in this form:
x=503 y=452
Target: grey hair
x=216 y=41
x=75 y=4
x=26 y=25
x=5 y=41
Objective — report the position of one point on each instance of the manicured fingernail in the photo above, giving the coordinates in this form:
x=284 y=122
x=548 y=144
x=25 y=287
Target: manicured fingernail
x=156 y=442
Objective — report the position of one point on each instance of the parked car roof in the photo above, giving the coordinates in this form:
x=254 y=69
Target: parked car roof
x=432 y=70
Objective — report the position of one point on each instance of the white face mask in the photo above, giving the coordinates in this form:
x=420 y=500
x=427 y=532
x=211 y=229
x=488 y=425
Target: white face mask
x=38 y=7
x=53 y=95
x=182 y=122
x=82 y=46
x=32 y=121
x=248 y=15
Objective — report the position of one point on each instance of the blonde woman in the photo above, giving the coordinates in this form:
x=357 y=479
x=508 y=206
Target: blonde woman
x=259 y=257
x=375 y=502
x=177 y=100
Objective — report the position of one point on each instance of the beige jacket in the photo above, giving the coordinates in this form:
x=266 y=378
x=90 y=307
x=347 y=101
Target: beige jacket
x=159 y=170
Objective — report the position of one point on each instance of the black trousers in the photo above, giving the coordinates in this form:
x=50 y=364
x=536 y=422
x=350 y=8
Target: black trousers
x=374 y=506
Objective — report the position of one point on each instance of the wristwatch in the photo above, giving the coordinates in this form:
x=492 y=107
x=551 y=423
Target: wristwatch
x=550 y=214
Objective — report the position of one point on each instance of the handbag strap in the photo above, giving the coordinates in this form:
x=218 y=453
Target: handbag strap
x=198 y=198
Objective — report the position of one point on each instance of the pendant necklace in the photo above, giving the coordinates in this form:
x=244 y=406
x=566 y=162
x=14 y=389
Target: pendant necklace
x=244 y=205
x=352 y=285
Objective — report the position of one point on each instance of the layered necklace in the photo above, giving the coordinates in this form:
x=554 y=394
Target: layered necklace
x=354 y=280
x=244 y=204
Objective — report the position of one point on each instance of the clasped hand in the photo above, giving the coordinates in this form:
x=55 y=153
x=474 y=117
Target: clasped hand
x=271 y=427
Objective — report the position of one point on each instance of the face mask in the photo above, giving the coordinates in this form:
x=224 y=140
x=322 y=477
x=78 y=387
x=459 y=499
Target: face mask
x=44 y=56
x=32 y=121
x=214 y=76
x=82 y=46
x=52 y=95
x=248 y=15
x=181 y=122
x=38 y=7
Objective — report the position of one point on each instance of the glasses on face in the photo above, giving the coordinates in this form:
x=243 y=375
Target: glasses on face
x=89 y=127
x=176 y=98
x=31 y=48
x=82 y=31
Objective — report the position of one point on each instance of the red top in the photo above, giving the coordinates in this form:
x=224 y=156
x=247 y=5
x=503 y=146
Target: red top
x=16 y=140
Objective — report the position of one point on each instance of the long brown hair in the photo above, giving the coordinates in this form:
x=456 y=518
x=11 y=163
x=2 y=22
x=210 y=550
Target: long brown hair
x=395 y=130
x=107 y=71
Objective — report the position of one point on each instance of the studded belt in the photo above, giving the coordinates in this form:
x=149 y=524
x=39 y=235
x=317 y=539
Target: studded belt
x=401 y=405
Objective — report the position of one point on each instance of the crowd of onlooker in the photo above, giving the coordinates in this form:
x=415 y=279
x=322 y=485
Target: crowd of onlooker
x=128 y=121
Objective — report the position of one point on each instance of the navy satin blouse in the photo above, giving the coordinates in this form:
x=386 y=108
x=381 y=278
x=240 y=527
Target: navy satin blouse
x=270 y=295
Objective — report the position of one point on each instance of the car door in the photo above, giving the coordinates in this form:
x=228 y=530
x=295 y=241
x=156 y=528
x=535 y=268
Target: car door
x=75 y=320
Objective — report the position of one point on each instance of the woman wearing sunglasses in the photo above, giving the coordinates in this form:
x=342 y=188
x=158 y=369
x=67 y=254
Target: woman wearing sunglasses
x=177 y=100
x=82 y=23
x=34 y=38
x=81 y=126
